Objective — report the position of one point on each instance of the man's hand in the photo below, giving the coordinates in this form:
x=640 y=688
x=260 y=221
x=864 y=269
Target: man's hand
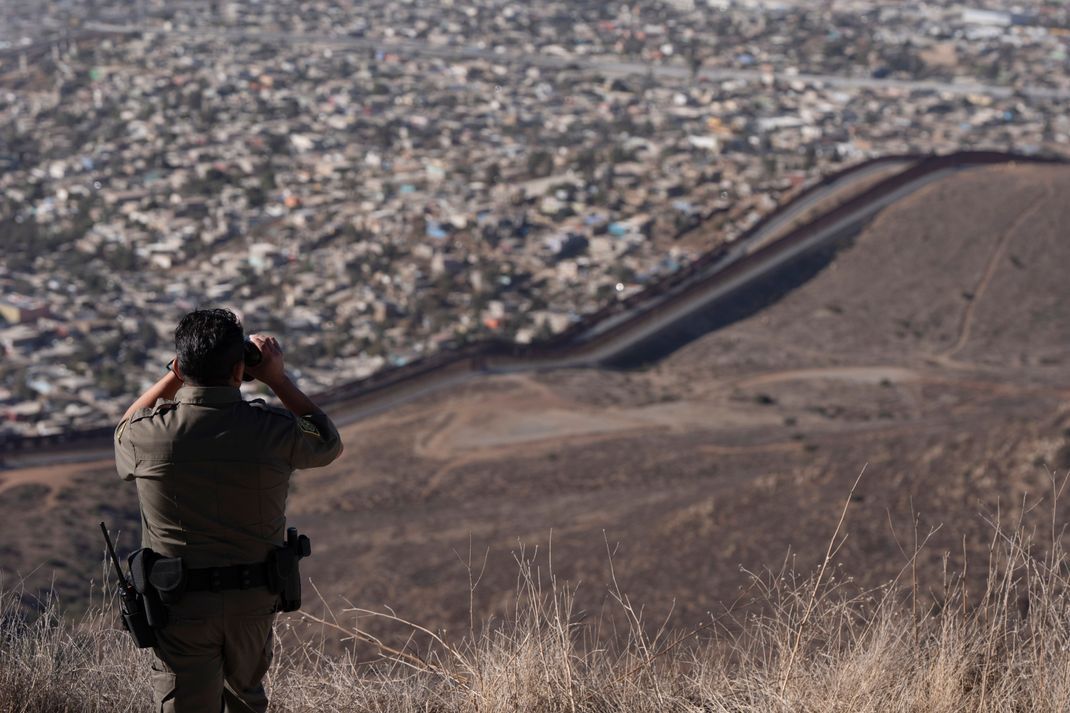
x=271 y=370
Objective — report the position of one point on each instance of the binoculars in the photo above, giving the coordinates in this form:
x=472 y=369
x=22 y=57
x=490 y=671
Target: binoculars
x=252 y=357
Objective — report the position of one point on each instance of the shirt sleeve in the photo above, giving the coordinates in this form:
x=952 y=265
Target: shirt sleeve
x=316 y=441
x=124 y=451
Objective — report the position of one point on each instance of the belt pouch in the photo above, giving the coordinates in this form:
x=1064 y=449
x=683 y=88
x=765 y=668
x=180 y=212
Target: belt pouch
x=141 y=563
x=168 y=578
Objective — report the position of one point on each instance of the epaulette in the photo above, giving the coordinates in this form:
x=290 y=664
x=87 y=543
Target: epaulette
x=143 y=413
x=164 y=407
x=158 y=408
x=262 y=405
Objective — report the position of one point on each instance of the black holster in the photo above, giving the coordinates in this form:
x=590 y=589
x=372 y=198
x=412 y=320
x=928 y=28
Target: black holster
x=159 y=580
x=283 y=571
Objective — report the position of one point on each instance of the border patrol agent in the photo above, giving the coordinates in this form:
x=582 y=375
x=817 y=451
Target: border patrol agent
x=212 y=474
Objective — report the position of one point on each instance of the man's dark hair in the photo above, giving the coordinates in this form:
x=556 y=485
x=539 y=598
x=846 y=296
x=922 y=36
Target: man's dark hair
x=209 y=342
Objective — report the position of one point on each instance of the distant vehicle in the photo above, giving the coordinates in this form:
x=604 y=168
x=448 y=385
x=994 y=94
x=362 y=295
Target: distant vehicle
x=555 y=51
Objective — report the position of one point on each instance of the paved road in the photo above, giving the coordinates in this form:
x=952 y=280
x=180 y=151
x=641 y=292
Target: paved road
x=606 y=65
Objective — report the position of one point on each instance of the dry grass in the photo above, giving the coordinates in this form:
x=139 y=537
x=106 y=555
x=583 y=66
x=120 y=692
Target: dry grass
x=815 y=643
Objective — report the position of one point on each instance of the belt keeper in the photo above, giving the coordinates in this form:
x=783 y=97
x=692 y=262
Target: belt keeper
x=214 y=581
x=245 y=578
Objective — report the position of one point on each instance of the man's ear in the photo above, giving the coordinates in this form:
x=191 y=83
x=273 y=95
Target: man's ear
x=177 y=370
x=237 y=372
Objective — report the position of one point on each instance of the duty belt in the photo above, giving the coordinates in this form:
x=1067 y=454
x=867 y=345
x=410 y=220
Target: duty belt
x=236 y=576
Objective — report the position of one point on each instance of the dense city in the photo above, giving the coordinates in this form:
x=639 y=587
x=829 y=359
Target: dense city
x=376 y=182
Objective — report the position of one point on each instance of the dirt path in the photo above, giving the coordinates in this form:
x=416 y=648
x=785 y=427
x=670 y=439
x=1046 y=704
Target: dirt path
x=994 y=262
x=854 y=374
x=53 y=477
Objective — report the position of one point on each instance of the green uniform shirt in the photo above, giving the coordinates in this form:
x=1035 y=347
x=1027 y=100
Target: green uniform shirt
x=213 y=472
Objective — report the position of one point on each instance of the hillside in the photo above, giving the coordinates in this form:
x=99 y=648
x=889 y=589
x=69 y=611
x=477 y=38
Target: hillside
x=932 y=352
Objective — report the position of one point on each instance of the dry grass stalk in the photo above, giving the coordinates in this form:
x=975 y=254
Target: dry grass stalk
x=829 y=553
x=817 y=643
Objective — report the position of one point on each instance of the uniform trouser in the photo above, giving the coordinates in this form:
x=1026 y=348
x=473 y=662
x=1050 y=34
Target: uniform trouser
x=214 y=652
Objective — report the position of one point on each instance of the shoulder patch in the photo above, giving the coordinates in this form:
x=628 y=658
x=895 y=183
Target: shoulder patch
x=309 y=428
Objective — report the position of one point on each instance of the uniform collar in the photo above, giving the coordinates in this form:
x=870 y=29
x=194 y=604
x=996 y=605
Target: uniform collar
x=208 y=395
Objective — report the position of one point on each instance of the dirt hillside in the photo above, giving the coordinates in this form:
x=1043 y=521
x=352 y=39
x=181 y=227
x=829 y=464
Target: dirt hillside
x=932 y=352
